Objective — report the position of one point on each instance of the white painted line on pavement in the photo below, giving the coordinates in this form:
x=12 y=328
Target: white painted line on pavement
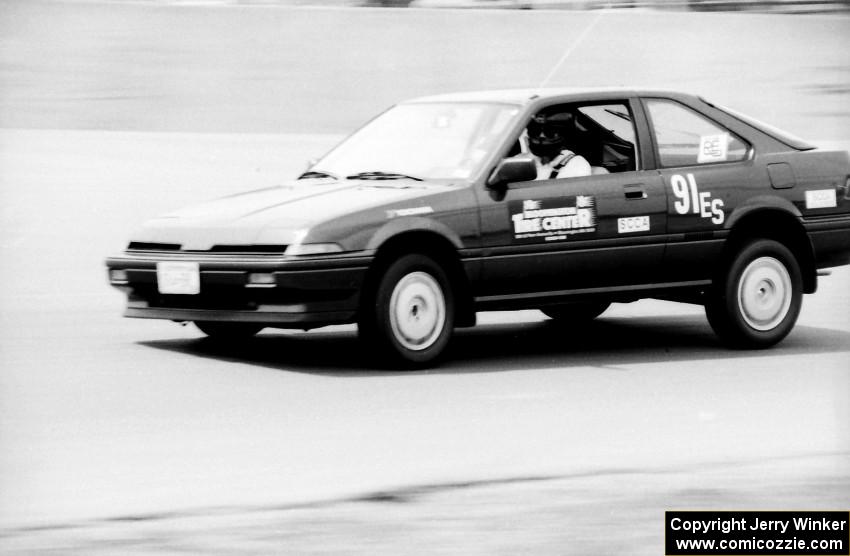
x=570 y=49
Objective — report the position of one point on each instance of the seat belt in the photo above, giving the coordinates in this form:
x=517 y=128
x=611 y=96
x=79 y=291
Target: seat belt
x=560 y=164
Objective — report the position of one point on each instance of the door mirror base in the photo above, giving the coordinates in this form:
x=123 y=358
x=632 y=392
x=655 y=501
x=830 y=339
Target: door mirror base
x=514 y=169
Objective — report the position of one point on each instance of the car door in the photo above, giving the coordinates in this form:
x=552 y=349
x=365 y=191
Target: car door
x=583 y=233
x=702 y=165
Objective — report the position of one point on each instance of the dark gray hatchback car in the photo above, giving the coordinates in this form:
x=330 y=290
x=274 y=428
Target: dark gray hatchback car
x=443 y=206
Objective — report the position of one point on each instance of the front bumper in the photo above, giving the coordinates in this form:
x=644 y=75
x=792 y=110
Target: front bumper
x=304 y=292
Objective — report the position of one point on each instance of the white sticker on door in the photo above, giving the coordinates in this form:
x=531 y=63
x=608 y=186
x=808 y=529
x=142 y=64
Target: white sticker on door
x=552 y=219
x=821 y=198
x=633 y=224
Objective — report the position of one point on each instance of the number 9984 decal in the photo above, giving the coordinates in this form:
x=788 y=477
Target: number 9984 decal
x=690 y=200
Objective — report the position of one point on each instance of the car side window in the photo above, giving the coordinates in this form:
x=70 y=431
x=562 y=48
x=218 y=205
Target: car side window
x=686 y=138
x=576 y=140
x=608 y=133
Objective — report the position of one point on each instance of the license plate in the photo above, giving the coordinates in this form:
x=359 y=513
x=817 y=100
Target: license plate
x=179 y=278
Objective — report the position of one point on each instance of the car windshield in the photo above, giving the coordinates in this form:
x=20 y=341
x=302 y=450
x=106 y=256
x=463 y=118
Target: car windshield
x=433 y=140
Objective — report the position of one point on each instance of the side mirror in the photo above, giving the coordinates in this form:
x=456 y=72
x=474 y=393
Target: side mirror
x=514 y=169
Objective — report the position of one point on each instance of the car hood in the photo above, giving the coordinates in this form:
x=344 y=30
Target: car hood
x=279 y=215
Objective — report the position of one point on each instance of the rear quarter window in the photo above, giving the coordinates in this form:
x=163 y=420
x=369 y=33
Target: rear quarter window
x=686 y=138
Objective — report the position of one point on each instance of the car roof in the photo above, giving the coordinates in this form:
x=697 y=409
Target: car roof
x=563 y=94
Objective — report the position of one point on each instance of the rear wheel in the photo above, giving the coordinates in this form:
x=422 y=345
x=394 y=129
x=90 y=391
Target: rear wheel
x=576 y=312
x=228 y=330
x=757 y=301
x=409 y=317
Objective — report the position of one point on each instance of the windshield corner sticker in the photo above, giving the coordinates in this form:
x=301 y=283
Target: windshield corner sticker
x=632 y=224
x=409 y=211
x=713 y=148
x=553 y=219
x=690 y=200
x=821 y=198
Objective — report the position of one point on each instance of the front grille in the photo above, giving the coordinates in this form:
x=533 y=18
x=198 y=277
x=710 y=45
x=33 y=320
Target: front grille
x=256 y=249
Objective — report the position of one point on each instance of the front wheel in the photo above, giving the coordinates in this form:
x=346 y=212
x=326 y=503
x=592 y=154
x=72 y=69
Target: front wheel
x=409 y=317
x=756 y=303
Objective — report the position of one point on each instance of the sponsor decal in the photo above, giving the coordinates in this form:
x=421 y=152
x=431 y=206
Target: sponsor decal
x=409 y=211
x=553 y=219
x=821 y=198
x=633 y=224
x=713 y=148
x=690 y=200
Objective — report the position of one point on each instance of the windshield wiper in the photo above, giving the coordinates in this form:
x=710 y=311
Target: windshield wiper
x=381 y=176
x=312 y=174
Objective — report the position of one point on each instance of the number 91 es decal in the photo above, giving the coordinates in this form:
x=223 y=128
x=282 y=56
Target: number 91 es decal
x=689 y=199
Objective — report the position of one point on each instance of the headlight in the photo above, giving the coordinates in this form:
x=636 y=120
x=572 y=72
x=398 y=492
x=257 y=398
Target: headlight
x=300 y=249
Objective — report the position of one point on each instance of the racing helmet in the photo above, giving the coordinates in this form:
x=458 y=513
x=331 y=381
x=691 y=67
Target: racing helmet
x=547 y=134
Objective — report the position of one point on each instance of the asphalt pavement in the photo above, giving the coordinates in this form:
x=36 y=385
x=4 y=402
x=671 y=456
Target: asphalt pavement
x=118 y=427
x=140 y=436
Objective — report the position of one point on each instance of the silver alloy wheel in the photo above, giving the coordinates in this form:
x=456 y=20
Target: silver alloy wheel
x=764 y=293
x=417 y=311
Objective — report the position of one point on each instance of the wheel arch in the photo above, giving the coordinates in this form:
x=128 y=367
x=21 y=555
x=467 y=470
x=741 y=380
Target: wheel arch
x=426 y=240
x=779 y=223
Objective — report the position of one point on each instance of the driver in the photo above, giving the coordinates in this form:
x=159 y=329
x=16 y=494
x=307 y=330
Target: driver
x=546 y=137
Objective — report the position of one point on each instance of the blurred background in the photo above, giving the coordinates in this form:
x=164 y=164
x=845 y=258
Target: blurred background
x=784 y=6
x=120 y=436
x=287 y=66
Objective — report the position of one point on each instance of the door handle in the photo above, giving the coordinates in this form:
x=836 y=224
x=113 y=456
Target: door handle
x=634 y=191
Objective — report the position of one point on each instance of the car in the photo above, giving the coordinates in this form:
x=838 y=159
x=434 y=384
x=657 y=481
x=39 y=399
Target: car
x=433 y=211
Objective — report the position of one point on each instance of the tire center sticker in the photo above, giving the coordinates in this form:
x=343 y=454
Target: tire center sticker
x=552 y=219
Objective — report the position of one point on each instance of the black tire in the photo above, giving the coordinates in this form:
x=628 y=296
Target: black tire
x=408 y=318
x=229 y=331
x=757 y=300
x=576 y=312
